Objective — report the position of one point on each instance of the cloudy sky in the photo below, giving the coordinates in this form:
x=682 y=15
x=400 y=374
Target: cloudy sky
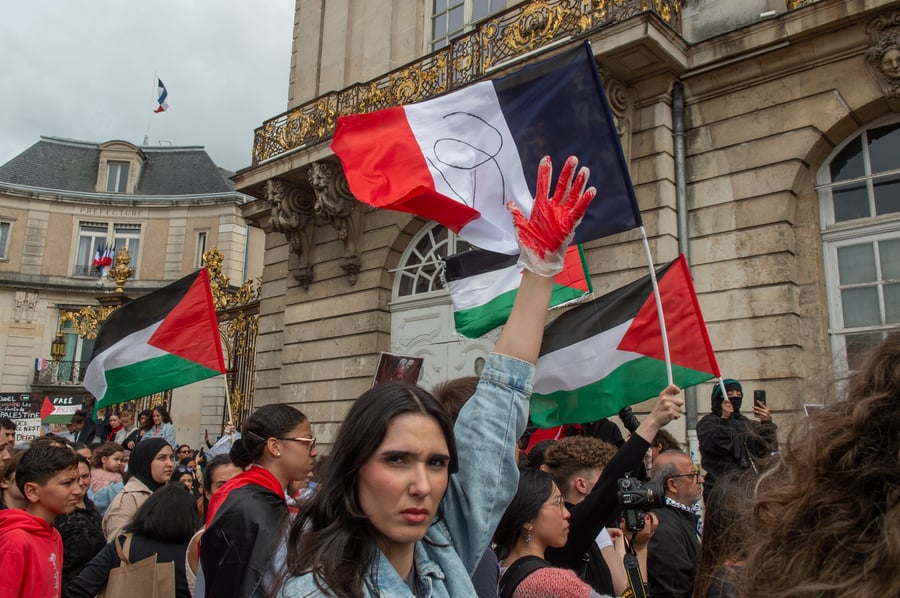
x=84 y=69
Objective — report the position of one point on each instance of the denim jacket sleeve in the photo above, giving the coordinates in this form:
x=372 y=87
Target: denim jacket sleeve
x=486 y=432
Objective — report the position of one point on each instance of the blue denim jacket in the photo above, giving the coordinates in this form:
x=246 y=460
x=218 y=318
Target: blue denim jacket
x=477 y=495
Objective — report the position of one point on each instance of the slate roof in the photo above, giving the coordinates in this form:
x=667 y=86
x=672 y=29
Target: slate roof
x=70 y=165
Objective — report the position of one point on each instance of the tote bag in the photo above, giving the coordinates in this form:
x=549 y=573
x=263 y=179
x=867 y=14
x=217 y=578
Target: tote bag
x=143 y=579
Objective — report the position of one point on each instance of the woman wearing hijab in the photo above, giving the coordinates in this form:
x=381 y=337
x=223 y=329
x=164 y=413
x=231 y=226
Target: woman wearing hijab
x=149 y=468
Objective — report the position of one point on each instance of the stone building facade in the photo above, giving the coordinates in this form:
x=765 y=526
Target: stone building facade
x=762 y=138
x=61 y=200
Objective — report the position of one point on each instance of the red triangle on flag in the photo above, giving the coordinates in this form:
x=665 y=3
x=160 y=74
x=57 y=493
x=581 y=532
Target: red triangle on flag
x=46 y=408
x=573 y=273
x=191 y=329
x=689 y=344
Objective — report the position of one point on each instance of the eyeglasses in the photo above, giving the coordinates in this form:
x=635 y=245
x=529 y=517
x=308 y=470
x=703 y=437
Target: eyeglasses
x=311 y=441
x=559 y=502
x=694 y=474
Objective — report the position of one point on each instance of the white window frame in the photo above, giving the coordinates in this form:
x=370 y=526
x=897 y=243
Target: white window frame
x=846 y=233
x=469 y=22
x=202 y=239
x=428 y=266
x=118 y=234
x=4 y=238
x=129 y=234
x=119 y=170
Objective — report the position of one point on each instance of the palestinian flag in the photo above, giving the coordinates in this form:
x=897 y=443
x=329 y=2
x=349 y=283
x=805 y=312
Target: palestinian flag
x=165 y=339
x=606 y=354
x=483 y=286
x=59 y=410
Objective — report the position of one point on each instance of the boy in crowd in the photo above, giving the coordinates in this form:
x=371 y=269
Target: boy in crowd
x=30 y=547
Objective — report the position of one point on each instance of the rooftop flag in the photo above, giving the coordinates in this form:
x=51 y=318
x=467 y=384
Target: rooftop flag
x=163 y=94
x=165 y=339
x=457 y=159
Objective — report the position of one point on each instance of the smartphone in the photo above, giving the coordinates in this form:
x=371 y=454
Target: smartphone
x=759 y=396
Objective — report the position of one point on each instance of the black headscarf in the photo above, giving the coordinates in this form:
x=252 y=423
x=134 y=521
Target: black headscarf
x=142 y=458
x=717 y=399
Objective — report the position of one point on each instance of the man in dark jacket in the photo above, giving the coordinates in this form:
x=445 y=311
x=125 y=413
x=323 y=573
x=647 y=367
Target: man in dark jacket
x=728 y=440
x=672 y=552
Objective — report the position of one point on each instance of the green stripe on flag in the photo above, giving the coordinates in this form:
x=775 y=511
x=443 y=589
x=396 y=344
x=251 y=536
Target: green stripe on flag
x=636 y=380
x=146 y=377
x=477 y=321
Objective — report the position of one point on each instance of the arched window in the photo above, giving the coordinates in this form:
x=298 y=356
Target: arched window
x=419 y=272
x=859 y=194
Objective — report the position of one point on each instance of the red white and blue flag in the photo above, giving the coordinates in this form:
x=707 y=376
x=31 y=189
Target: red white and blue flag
x=163 y=94
x=457 y=159
x=103 y=259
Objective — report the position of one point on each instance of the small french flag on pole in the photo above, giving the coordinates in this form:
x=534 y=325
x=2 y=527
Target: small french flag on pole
x=163 y=94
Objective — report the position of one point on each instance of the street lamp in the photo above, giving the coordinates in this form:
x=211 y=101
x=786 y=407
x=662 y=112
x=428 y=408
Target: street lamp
x=58 y=346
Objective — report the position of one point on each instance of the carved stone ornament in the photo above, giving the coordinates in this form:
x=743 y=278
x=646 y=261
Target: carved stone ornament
x=26 y=301
x=883 y=56
x=293 y=215
x=620 y=102
x=336 y=205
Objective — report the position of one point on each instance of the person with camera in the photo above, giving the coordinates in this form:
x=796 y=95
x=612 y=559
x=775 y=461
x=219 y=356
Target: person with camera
x=672 y=553
x=601 y=504
x=729 y=441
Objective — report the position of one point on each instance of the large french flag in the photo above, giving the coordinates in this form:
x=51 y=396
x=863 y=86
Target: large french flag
x=457 y=159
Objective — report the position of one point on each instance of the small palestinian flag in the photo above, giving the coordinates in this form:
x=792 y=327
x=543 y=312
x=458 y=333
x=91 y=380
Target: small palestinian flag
x=483 y=286
x=165 y=339
x=606 y=354
x=59 y=410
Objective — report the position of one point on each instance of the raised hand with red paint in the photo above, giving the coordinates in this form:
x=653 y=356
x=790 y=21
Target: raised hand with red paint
x=544 y=236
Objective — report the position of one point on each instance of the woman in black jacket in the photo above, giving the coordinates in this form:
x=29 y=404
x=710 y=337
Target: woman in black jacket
x=248 y=518
x=162 y=526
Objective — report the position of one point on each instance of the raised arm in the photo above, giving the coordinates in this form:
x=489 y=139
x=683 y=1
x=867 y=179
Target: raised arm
x=493 y=419
x=543 y=239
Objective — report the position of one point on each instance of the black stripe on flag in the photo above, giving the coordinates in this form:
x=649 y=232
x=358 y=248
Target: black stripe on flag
x=606 y=312
x=142 y=312
x=474 y=262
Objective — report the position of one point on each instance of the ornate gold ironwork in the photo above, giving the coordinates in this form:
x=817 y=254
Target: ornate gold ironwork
x=238 y=312
x=225 y=297
x=121 y=272
x=87 y=320
x=506 y=36
x=792 y=4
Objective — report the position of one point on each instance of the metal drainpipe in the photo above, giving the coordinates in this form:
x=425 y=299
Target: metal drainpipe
x=681 y=210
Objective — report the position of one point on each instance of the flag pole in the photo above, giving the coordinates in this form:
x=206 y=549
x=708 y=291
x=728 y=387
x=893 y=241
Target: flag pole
x=659 y=307
x=150 y=116
x=228 y=399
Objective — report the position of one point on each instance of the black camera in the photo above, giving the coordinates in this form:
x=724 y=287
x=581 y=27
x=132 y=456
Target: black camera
x=635 y=499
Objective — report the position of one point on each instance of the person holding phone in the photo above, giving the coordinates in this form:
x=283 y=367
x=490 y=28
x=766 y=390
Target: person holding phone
x=729 y=441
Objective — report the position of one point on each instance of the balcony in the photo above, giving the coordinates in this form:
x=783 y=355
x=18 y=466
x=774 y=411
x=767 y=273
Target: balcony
x=85 y=271
x=496 y=41
x=59 y=373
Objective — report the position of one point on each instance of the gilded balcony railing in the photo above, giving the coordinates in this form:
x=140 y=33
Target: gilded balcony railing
x=496 y=40
x=792 y=4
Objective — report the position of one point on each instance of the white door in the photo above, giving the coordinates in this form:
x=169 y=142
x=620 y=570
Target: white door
x=421 y=315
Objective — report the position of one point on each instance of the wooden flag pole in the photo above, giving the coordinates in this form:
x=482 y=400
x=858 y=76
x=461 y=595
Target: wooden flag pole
x=659 y=307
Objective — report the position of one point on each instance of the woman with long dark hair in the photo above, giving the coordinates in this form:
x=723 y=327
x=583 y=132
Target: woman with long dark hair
x=407 y=504
x=150 y=467
x=162 y=526
x=826 y=517
x=248 y=518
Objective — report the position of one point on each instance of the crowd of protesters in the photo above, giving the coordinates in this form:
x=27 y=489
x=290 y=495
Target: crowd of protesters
x=432 y=494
